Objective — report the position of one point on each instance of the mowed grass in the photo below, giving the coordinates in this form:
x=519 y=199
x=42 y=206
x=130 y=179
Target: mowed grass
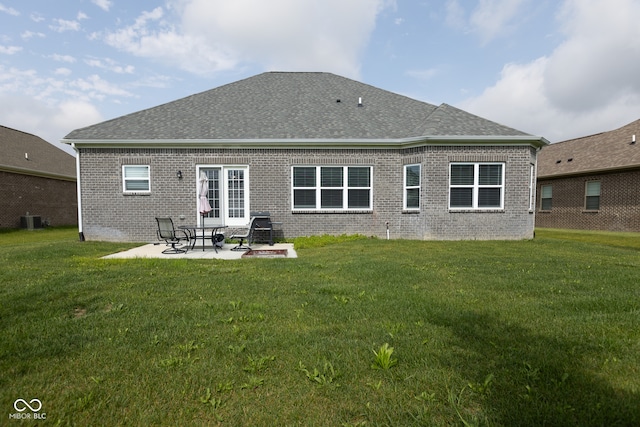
x=541 y=332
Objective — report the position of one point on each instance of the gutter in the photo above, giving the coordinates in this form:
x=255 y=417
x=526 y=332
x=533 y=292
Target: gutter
x=394 y=143
x=591 y=172
x=40 y=174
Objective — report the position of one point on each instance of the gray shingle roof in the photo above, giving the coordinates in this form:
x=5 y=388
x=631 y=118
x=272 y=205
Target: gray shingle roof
x=41 y=158
x=292 y=105
x=590 y=154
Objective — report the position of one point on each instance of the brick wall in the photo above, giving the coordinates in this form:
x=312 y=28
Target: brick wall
x=619 y=203
x=108 y=214
x=54 y=200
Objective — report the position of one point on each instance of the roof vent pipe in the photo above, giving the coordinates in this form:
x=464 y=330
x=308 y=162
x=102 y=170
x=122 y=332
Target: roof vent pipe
x=633 y=139
x=360 y=102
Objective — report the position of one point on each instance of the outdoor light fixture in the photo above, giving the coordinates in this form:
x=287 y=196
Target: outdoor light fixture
x=179 y=174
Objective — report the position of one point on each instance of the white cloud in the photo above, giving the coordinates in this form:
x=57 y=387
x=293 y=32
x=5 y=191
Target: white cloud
x=215 y=35
x=62 y=71
x=599 y=62
x=110 y=65
x=489 y=20
x=94 y=87
x=54 y=90
x=51 y=107
x=9 y=50
x=455 y=16
x=36 y=17
x=62 y=58
x=26 y=35
x=190 y=52
x=50 y=122
x=493 y=18
x=62 y=25
x=588 y=84
x=426 y=74
x=103 y=4
x=9 y=10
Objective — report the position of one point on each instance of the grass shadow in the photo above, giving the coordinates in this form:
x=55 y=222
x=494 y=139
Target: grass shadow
x=523 y=378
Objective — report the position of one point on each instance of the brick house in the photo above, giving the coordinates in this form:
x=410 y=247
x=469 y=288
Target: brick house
x=321 y=153
x=591 y=183
x=37 y=179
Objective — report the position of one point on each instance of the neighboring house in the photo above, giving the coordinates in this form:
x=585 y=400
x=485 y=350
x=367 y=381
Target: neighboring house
x=322 y=153
x=591 y=183
x=37 y=180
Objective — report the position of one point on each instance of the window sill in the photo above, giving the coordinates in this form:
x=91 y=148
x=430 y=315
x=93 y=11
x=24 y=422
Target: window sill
x=545 y=211
x=331 y=211
x=476 y=211
x=410 y=211
x=146 y=193
x=591 y=211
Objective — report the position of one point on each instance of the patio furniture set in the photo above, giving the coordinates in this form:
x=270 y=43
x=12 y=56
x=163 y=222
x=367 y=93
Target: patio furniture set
x=184 y=237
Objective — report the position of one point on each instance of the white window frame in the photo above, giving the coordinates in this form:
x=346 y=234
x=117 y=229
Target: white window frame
x=587 y=184
x=476 y=187
x=532 y=188
x=408 y=187
x=317 y=188
x=126 y=179
x=226 y=218
x=546 y=195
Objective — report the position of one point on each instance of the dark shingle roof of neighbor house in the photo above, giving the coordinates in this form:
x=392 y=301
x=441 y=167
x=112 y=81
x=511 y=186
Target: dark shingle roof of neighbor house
x=607 y=151
x=31 y=155
x=294 y=106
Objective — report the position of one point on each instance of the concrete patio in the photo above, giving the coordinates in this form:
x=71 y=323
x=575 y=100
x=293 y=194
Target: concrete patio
x=155 y=251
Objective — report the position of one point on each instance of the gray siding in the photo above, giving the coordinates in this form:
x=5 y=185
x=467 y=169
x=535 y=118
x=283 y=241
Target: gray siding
x=108 y=214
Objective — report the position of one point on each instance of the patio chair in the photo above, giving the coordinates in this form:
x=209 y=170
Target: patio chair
x=243 y=235
x=171 y=236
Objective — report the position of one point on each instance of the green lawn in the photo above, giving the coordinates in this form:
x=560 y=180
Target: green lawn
x=541 y=332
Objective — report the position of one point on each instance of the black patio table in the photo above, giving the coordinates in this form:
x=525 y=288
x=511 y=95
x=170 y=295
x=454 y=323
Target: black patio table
x=193 y=233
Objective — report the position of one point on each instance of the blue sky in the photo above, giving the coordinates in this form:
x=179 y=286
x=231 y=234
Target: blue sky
x=554 y=68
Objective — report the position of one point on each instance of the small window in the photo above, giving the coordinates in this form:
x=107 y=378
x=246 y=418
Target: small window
x=532 y=187
x=476 y=186
x=546 y=197
x=136 y=179
x=412 y=187
x=592 y=195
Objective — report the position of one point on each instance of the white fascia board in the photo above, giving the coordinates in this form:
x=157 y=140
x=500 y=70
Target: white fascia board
x=40 y=174
x=315 y=143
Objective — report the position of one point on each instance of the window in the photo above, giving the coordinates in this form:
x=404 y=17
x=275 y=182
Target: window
x=532 y=187
x=331 y=187
x=228 y=195
x=412 y=187
x=476 y=186
x=135 y=179
x=592 y=195
x=236 y=196
x=546 y=197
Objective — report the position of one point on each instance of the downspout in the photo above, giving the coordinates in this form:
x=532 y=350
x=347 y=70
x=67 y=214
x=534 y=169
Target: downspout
x=535 y=190
x=79 y=193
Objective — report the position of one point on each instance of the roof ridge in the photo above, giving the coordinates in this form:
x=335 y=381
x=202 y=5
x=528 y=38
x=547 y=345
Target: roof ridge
x=630 y=124
x=423 y=126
